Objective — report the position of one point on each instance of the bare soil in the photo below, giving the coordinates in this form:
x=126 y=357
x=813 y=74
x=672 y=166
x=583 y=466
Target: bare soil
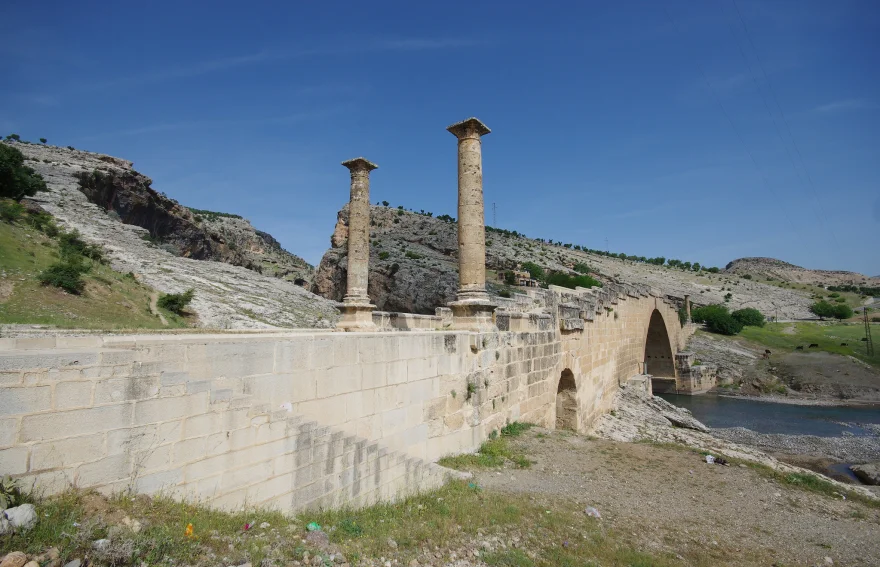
x=669 y=500
x=829 y=375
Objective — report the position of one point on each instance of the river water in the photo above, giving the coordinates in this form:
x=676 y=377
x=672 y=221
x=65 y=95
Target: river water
x=769 y=417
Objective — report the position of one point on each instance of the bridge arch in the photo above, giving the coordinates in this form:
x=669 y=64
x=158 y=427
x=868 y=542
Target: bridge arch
x=659 y=359
x=566 y=402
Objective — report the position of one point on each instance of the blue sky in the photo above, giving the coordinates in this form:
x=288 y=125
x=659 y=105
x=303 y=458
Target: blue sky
x=657 y=125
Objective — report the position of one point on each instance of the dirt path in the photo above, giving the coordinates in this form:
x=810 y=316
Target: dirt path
x=669 y=500
x=154 y=308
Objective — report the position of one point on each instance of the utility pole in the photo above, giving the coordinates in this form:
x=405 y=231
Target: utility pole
x=869 y=343
x=494 y=216
x=606 y=244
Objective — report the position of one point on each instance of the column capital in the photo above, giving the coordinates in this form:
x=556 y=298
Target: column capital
x=470 y=128
x=360 y=164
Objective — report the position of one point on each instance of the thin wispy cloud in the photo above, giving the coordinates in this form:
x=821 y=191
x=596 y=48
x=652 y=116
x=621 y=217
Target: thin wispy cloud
x=276 y=55
x=844 y=106
x=222 y=123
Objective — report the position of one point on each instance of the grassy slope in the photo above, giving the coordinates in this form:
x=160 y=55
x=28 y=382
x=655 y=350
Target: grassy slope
x=828 y=336
x=110 y=300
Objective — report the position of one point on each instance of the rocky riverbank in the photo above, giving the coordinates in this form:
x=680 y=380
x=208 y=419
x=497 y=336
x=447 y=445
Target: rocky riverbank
x=846 y=449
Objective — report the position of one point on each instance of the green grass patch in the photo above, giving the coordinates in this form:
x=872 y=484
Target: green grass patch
x=829 y=337
x=494 y=453
x=106 y=300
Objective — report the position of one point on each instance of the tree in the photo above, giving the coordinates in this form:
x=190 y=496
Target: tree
x=16 y=179
x=15 y=137
x=717 y=319
x=176 y=302
x=749 y=317
x=534 y=270
x=581 y=268
x=43 y=140
x=842 y=312
x=713 y=270
x=822 y=309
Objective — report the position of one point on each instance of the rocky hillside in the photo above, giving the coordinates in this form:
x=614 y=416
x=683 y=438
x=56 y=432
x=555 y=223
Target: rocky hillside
x=173 y=249
x=414 y=267
x=783 y=271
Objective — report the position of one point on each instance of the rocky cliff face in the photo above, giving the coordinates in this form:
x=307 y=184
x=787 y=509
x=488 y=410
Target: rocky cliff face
x=162 y=240
x=783 y=271
x=414 y=268
x=201 y=235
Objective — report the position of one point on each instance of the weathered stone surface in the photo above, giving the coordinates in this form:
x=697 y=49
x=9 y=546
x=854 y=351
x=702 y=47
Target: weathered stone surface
x=22 y=518
x=869 y=473
x=14 y=559
x=227 y=295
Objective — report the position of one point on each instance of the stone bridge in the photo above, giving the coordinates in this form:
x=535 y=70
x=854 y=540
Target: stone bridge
x=297 y=419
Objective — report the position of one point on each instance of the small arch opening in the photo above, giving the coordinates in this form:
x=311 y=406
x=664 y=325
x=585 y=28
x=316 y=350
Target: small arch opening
x=566 y=402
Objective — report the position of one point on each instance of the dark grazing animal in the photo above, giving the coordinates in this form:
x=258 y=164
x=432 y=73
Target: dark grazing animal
x=814 y=345
x=799 y=348
x=767 y=352
x=844 y=344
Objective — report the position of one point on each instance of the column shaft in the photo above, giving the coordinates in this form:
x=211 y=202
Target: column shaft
x=358 y=237
x=471 y=221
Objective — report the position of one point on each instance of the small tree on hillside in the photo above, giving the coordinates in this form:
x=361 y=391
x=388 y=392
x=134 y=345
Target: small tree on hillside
x=749 y=317
x=842 y=312
x=16 y=179
x=822 y=309
x=176 y=302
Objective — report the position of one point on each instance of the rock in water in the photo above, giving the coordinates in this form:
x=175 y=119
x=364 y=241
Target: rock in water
x=22 y=517
x=869 y=473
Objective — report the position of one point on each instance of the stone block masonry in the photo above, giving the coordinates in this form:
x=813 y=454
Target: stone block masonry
x=293 y=420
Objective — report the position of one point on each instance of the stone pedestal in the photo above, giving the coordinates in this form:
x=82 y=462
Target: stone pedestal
x=472 y=308
x=356 y=308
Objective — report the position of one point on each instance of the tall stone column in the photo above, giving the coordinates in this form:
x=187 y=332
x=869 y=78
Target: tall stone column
x=357 y=312
x=472 y=308
x=687 y=307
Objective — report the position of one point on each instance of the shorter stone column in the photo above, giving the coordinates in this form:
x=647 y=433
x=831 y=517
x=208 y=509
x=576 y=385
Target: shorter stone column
x=357 y=311
x=687 y=308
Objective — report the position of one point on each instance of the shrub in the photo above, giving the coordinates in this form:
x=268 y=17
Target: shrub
x=385 y=203
x=16 y=179
x=509 y=278
x=713 y=270
x=43 y=222
x=72 y=246
x=504 y=293
x=842 y=312
x=66 y=275
x=571 y=282
x=413 y=255
x=703 y=314
x=176 y=302
x=43 y=140
x=582 y=268
x=384 y=255
x=747 y=276
x=10 y=211
x=749 y=317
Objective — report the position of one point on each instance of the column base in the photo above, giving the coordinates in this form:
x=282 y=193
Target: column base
x=473 y=315
x=356 y=317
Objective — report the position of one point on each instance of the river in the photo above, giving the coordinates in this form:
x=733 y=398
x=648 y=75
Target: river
x=770 y=417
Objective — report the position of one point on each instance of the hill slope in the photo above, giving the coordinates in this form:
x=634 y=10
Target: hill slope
x=414 y=267
x=783 y=271
x=165 y=240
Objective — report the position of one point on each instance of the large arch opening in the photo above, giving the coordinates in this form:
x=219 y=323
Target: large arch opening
x=660 y=363
x=566 y=402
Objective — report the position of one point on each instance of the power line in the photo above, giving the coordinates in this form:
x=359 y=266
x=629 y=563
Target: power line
x=784 y=120
x=727 y=116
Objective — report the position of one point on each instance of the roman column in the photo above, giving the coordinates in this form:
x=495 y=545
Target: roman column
x=472 y=308
x=687 y=308
x=357 y=312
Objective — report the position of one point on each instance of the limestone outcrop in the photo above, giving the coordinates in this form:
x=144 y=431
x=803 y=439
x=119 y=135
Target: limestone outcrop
x=783 y=271
x=414 y=268
x=160 y=241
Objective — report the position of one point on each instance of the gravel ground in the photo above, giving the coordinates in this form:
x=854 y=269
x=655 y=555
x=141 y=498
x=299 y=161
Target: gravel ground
x=848 y=449
x=669 y=499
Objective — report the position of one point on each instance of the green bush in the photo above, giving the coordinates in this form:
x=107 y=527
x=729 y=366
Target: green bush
x=16 y=179
x=66 y=275
x=176 y=302
x=43 y=140
x=702 y=314
x=504 y=293
x=43 y=222
x=72 y=246
x=10 y=211
x=717 y=319
x=582 y=268
x=413 y=255
x=571 y=282
x=747 y=276
x=384 y=255
x=749 y=317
